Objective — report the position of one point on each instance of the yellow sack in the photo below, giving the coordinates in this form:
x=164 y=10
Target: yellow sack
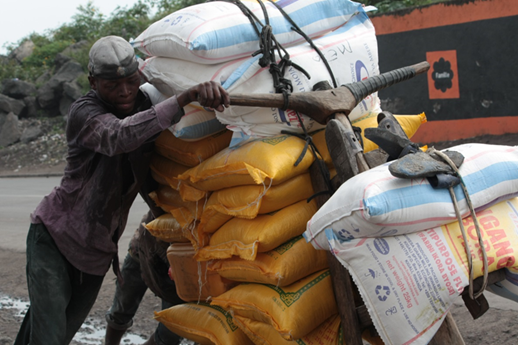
x=191 y=153
x=329 y=333
x=203 y=324
x=190 y=193
x=167 y=170
x=192 y=233
x=246 y=237
x=166 y=228
x=249 y=201
x=159 y=178
x=281 y=266
x=169 y=200
x=268 y=161
x=294 y=311
x=194 y=283
x=211 y=220
x=409 y=123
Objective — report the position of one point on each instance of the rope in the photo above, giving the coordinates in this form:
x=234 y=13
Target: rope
x=269 y=46
x=298 y=30
x=472 y=295
x=322 y=167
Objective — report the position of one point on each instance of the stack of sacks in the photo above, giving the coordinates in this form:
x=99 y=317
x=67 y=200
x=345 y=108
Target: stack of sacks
x=183 y=206
x=402 y=244
x=256 y=212
x=254 y=218
x=173 y=157
x=198 y=43
x=238 y=179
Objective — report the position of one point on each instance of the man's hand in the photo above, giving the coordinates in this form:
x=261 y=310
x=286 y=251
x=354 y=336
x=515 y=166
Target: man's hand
x=209 y=94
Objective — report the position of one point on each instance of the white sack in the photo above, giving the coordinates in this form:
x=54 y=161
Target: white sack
x=351 y=51
x=218 y=31
x=409 y=282
x=377 y=204
x=197 y=122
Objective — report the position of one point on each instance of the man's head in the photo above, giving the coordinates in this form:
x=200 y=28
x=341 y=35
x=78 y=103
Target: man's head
x=113 y=73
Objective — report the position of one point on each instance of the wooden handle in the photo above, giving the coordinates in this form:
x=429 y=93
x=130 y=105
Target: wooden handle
x=362 y=89
x=421 y=67
x=319 y=105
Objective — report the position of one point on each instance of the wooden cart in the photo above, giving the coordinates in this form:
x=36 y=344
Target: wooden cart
x=349 y=160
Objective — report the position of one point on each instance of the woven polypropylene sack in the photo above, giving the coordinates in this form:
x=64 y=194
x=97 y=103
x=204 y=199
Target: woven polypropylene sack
x=202 y=323
x=294 y=311
x=281 y=266
x=268 y=161
x=247 y=237
x=167 y=229
x=206 y=33
x=376 y=204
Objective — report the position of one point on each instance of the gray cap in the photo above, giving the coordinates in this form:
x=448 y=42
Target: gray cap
x=112 y=57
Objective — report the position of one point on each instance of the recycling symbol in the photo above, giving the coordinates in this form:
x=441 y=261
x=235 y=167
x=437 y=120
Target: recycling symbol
x=382 y=292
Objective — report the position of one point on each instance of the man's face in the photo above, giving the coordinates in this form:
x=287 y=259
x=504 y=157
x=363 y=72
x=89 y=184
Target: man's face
x=120 y=93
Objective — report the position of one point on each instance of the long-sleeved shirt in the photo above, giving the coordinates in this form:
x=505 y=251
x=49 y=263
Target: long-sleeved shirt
x=107 y=164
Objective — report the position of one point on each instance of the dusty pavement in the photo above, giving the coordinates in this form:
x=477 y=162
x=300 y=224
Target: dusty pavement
x=497 y=326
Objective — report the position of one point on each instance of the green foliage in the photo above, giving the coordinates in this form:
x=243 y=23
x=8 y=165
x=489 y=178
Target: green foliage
x=43 y=55
x=164 y=7
x=12 y=69
x=86 y=23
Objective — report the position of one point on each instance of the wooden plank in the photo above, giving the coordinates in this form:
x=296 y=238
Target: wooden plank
x=342 y=283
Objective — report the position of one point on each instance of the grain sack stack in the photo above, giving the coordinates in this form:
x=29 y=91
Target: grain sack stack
x=199 y=43
x=235 y=184
x=254 y=209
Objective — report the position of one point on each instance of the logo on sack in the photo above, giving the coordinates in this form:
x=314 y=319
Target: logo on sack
x=382 y=292
x=361 y=74
x=344 y=236
x=381 y=246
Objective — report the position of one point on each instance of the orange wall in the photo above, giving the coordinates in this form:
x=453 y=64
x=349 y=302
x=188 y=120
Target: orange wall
x=441 y=14
x=437 y=131
x=438 y=15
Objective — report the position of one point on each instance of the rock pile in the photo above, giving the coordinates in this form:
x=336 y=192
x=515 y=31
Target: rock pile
x=23 y=100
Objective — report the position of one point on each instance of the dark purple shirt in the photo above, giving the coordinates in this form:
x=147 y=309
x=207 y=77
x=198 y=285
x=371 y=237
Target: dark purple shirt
x=107 y=165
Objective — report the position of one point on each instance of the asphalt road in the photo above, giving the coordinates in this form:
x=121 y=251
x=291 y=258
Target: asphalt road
x=20 y=196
